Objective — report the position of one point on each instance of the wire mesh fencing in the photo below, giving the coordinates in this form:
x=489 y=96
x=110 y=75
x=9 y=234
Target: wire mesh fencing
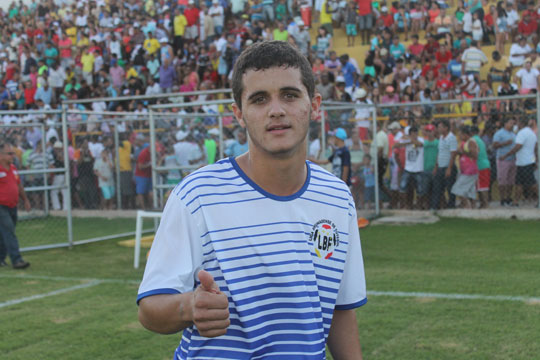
x=461 y=153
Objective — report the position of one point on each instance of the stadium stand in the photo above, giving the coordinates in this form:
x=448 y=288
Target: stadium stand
x=362 y=52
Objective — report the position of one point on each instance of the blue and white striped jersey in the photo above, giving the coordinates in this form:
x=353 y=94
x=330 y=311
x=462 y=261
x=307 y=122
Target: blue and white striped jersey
x=285 y=263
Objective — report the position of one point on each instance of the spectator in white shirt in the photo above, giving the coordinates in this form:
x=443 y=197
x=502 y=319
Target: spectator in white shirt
x=518 y=51
x=525 y=150
x=528 y=76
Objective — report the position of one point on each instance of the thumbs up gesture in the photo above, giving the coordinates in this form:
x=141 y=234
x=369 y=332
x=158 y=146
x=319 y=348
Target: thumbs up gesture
x=210 y=307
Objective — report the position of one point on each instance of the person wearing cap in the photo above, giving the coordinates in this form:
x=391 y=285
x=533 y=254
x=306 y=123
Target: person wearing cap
x=217 y=14
x=11 y=189
x=302 y=38
x=192 y=14
x=363 y=114
x=340 y=158
x=238 y=205
x=385 y=20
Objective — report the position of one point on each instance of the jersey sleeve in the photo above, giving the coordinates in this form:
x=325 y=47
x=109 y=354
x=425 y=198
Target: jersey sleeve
x=352 y=290
x=176 y=253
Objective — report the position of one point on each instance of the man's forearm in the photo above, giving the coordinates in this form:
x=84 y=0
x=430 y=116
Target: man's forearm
x=343 y=339
x=166 y=314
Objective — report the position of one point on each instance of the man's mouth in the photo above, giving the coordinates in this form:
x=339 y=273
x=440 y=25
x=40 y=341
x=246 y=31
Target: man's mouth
x=278 y=128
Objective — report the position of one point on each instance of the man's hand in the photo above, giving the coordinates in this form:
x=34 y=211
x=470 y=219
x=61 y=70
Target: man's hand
x=210 y=307
x=27 y=205
x=448 y=172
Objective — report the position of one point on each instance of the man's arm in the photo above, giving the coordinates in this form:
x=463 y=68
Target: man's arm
x=512 y=151
x=206 y=307
x=451 y=163
x=22 y=195
x=345 y=173
x=343 y=340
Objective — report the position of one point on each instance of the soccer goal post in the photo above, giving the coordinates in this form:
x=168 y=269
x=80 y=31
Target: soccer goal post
x=141 y=214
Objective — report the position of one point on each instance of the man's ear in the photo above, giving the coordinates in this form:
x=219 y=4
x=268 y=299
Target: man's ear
x=238 y=115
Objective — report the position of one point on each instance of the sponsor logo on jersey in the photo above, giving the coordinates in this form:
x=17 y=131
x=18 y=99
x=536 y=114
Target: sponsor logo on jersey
x=324 y=238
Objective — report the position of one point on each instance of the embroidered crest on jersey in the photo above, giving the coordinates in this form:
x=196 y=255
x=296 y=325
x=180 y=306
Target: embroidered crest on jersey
x=325 y=238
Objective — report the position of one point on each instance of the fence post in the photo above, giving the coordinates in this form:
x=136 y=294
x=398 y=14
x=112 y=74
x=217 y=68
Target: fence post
x=153 y=158
x=220 y=124
x=376 y=162
x=45 y=175
x=117 y=167
x=537 y=142
x=67 y=176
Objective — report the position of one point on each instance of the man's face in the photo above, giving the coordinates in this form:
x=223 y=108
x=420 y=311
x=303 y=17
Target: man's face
x=442 y=129
x=509 y=124
x=7 y=154
x=276 y=110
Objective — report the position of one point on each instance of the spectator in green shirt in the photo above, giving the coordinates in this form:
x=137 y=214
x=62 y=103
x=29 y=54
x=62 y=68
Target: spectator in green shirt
x=281 y=33
x=281 y=10
x=51 y=54
x=431 y=148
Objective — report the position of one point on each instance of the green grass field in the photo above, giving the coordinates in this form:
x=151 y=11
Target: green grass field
x=52 y=229
x=455 y=256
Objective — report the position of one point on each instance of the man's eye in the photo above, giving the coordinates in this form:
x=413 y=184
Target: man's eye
x=290 y=96
x=258 y=100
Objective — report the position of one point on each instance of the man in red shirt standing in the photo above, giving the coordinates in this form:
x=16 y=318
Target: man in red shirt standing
x=192 y=16
x=365 y=20
x=10 y=190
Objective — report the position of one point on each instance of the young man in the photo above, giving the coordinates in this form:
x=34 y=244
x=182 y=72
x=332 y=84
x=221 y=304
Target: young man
x=445 y=170
x=503 y=142
x=414 y=166
x=525 y=150
x=340 y=158
x=218 y=271
x=10 y=190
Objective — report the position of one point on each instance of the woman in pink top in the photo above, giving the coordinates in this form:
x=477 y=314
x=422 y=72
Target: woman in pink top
x=465 y=186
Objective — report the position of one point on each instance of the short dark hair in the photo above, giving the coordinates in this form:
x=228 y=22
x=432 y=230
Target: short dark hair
x=413 y=129
x=265 y=55
x=445 y=123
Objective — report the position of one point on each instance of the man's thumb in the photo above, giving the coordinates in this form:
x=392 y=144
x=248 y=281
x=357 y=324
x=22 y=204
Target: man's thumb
x=207 y=282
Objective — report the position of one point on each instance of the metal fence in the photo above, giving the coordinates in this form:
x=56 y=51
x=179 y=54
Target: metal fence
x=70 y=202
x=411 y=171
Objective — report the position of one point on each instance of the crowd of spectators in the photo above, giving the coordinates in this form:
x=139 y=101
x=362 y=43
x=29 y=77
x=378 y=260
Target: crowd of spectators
x=53 y=51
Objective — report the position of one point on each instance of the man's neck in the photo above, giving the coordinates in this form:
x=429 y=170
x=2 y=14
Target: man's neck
x=278 y=176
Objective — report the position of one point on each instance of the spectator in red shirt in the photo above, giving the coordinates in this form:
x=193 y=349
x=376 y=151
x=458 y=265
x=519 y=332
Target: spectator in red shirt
x=365 y=20
x=443 y=55
x=29 y=92
x=430 y=48
x=433 y=65
x=527 y=28
x=10 y=191
x=444 y=84
x=385 y=20
x=416 y=49
x=192 y=16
